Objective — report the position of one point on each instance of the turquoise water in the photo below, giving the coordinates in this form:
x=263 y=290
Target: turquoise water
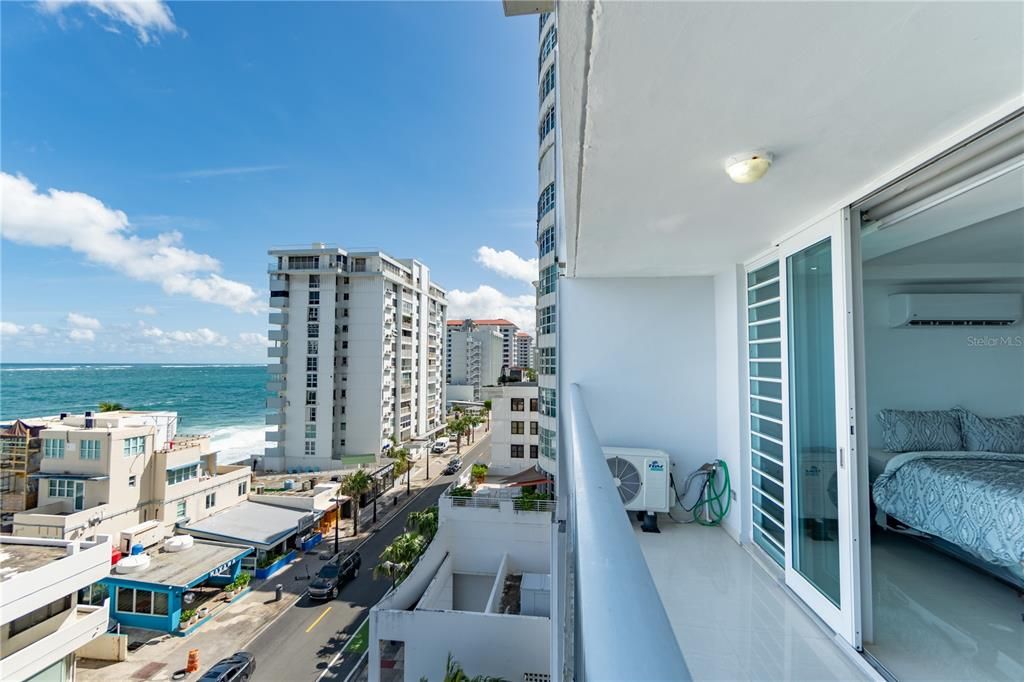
x=225 y=401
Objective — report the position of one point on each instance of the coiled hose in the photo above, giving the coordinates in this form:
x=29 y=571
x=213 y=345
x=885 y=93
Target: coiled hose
x=714 y=501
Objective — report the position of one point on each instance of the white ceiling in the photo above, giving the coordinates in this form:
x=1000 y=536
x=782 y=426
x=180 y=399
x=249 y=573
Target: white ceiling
x=842 y=93
x=996 y=240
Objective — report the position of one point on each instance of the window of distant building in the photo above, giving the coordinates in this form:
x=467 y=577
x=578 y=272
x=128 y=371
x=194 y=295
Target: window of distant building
x=53 y=447
x=518 y=404
x=517 y=428
x=516 y=452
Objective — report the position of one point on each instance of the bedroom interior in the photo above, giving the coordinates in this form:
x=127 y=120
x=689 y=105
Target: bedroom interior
x=943 y=348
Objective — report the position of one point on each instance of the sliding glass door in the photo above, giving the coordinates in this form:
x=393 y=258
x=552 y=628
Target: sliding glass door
x=820 y=558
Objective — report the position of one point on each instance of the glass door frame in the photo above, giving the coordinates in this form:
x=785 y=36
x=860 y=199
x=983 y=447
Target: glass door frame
x=845 y=618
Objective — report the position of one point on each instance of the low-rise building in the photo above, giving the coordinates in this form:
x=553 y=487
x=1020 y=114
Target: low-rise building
x=19 y=457
x=514 y=427
x=480 y=593
x=42 y=623
x=111 y=471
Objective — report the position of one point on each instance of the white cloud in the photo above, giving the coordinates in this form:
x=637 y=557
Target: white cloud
x=82 y=335
x=104 y=235
x=199 y=337
x=507 y=264
x=489 y=303
x=10 y=329
x=253 y=339
x=79 y=321
x=146 y=310
x=148 y=18
x=38 y=329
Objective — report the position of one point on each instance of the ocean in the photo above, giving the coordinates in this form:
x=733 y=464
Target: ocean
x=224 y=401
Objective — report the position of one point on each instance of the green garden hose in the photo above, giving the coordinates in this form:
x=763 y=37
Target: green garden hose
x=711 y=498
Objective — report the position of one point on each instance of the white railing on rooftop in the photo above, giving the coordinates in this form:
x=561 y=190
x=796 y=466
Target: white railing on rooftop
x=618 y=608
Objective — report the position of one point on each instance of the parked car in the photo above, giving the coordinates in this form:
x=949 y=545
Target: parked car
x=332 y=576
x=440 y=445
x=452 y=467
x=237 y=668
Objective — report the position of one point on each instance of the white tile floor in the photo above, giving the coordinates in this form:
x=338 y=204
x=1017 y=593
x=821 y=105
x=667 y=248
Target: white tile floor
x=938 y=619
x=731 y=617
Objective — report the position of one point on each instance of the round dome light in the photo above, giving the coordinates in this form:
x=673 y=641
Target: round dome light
x=747 y=168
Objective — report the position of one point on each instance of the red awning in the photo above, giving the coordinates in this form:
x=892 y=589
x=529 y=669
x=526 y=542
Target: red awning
x=525 y=478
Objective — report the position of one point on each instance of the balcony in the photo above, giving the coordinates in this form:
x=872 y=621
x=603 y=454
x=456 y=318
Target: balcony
x=275 y=386
x=275 y=403
x=277 y=301
x=275 y=419
x=278 y=285
x=276 y=368
x=278 y=335
x=277 y=351
x=605 y=555
x=280 y=318
x=77 y=628
x=275 y=436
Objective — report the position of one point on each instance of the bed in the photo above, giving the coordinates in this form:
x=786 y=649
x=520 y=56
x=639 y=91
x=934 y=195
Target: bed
x=969 y=503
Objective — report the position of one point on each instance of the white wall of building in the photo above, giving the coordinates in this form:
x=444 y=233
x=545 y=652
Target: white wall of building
x=644 y=354
x=502 y=438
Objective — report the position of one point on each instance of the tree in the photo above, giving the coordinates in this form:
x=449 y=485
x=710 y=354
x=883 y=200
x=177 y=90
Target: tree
x=423 y=522
x=453 y=672
x=111 y=407
x=398 y=558
x=475 y=420
x=531 y=374
x=457 y=427
x=487 y=411
x=403 y=465
x=355 y=485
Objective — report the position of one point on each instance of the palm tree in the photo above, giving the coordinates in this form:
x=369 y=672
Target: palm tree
x=423 y=522
x=453 y=672
x=398 y=558
x=457 y=428
x=111 y=407
x=475 y=420
x=487 y=411
x=403 y=465
x=355 y=485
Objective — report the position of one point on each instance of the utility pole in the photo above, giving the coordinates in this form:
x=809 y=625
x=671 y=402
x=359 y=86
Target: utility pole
x=375 y=500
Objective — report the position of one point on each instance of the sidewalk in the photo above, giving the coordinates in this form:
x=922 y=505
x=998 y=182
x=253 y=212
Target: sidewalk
x=160 y=655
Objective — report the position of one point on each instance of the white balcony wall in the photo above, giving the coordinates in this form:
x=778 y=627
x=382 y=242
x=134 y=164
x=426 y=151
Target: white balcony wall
x=643 y=352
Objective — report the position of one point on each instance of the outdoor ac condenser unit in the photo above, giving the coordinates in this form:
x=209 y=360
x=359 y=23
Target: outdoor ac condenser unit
x=641 y=476
x=952 y=310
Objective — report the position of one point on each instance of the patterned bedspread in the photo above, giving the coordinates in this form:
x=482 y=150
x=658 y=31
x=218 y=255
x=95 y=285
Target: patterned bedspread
x=972 y=499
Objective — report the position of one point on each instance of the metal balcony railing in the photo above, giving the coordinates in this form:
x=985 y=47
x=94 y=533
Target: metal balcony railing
x=617 y=606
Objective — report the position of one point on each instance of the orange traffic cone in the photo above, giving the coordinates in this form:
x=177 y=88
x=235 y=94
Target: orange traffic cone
x=193 y=660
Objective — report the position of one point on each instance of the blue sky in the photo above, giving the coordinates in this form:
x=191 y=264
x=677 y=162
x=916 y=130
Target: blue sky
x=184 y=139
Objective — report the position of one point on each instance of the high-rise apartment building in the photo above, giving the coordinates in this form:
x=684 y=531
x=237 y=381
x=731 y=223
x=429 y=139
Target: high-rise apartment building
x=508 y=333
x=524 y=356
x=474 y=355
x=547 y=230
x=357 y=343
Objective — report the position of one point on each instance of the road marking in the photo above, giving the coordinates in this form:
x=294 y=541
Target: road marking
x=344 y=648
x=318 y=619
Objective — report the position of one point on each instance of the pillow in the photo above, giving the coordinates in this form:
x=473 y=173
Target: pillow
x=908 y=431
x=992 y=434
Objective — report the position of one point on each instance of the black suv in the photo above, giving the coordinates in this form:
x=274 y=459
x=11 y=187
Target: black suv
x=237 y=668
x=453 y=467
x=334 y=574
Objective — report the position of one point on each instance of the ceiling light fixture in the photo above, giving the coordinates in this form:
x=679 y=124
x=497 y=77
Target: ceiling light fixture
x=747 y=168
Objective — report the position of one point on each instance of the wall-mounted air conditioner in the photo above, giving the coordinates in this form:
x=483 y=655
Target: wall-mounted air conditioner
x=952 y=310
x=641 y=476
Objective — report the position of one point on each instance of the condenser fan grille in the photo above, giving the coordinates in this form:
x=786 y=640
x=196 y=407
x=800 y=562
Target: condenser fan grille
x=627 y=478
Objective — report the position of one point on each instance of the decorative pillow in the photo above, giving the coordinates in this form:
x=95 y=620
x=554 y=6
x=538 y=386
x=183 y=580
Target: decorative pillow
x=909 y=431
x=992 y=434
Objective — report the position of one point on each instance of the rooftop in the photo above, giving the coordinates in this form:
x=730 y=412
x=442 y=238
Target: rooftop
x=18 y=558
x=252 y=522
x=186 y=567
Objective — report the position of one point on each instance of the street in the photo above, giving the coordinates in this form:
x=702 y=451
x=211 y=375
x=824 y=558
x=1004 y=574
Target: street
x=306 y=638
